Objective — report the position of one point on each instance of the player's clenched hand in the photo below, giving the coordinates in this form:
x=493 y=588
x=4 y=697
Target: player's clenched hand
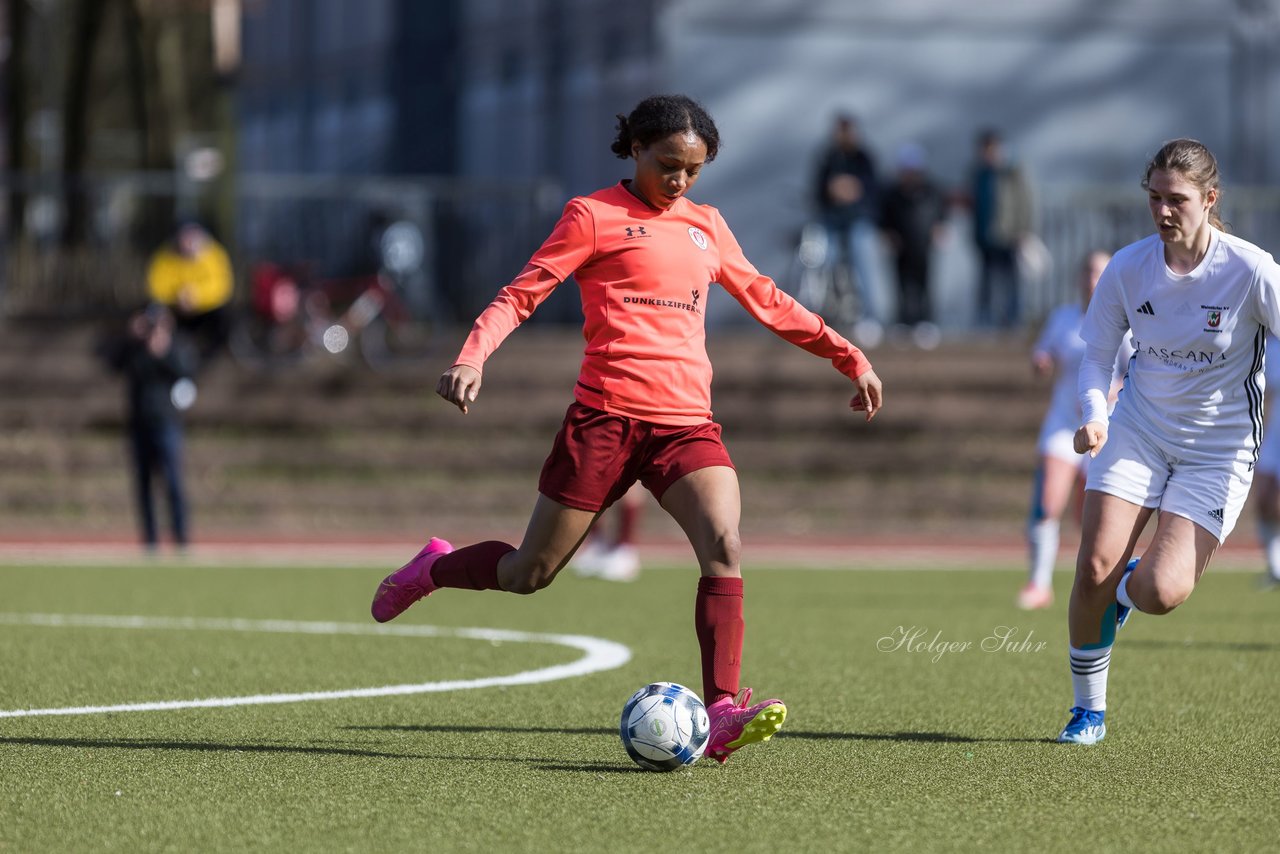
x=459 y=385
x=1090 y=438
x=870 y=396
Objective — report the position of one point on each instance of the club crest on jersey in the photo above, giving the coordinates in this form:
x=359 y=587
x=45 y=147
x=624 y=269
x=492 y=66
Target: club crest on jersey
x=1214 y=315
x=699 y=239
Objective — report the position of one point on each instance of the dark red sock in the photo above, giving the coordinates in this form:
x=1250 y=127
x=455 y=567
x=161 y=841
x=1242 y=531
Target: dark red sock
x=472 y=568
x=627 y=515
x=717 y=617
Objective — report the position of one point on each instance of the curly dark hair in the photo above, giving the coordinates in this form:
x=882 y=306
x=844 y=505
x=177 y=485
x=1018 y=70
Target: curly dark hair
x=659 y=116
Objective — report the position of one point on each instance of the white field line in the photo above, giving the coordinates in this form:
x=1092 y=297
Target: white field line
x=598 y=655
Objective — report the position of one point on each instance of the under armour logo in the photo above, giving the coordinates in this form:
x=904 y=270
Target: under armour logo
x=637 y=231
x=1146 y=308
x=696 y=294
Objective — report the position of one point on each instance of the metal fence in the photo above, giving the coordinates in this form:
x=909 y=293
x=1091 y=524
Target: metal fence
x=476 y=235
x=1075 y=220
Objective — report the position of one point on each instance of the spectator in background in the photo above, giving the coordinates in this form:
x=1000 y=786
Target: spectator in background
x=157 y=362
x=1001 y=200
x=912 y=216
x=191 y=274
x=848 y=198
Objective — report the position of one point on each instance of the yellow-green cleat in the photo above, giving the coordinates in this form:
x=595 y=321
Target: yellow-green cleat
x=734 y=724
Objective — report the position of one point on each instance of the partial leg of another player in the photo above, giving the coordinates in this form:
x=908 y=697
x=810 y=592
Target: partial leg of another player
x=1055 y=479
x=1266 y=496
x=609 y=552
x=707 y=505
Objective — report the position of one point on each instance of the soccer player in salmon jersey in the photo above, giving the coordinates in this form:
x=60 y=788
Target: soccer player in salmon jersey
x=1057 y=353
x=644 y=257
x=1184 y=436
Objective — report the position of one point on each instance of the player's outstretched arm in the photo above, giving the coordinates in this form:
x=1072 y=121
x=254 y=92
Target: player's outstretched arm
x=1090 y=438
x=459 y=385
x=870 y=396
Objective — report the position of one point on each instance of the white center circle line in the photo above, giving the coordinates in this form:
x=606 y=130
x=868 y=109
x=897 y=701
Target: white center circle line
x=599 y=655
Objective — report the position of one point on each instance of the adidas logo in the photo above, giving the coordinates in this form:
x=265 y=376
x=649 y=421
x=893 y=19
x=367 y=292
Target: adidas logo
x=1146 y=308
x=1217 y=514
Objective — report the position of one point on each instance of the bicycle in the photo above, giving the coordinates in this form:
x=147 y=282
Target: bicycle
x=824 y=286
x=292 y=315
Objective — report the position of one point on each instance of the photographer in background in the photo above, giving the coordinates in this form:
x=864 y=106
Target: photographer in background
x=157 y=362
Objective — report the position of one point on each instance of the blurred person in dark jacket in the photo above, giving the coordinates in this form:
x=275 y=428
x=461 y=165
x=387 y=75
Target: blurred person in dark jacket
x=157 y=362
x=1001 y=198
x=848 y=198
x=912 y=217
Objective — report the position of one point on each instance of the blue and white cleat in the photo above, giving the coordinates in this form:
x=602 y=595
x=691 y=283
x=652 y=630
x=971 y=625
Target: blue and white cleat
x=1122 y=611
x=1085 y=727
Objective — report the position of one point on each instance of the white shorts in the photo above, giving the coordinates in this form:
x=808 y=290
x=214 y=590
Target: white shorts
x=1132 y=467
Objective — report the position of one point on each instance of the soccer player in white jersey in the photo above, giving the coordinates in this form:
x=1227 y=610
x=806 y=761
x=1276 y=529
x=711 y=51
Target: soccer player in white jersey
x=1184 y=436
x=1057 y=353
x=1266 y=484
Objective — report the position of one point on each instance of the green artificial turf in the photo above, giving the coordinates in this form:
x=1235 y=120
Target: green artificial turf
x=886 y=747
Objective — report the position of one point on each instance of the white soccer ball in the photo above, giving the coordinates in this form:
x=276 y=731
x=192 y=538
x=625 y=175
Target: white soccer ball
x=664 y=727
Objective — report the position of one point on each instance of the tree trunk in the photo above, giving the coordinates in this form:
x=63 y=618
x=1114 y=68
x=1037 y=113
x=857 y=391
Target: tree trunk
x=16 y=108
x=75 y=119
x=135 y=56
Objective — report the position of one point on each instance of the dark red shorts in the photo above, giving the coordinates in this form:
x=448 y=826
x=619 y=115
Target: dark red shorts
x=597 y=456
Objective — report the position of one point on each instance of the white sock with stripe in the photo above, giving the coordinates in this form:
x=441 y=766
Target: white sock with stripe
x=1089 y=669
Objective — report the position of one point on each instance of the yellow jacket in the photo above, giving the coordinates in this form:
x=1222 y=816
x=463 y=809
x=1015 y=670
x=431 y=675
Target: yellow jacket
x=194 y=285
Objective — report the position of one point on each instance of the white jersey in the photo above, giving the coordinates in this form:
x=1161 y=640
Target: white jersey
x=1195 y=382
x=1060 y=340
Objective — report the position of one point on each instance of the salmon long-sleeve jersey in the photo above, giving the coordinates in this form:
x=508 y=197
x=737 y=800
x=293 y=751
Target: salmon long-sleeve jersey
x=644 y=275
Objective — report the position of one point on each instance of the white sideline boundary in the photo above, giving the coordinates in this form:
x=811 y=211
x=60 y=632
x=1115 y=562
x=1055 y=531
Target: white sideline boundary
x=599 y=655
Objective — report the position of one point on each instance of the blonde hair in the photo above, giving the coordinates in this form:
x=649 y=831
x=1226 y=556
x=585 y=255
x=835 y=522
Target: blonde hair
x=1194 y=161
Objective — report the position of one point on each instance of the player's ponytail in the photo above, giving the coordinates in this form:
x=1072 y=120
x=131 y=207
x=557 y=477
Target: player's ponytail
x=622 y=144
x=1194 y=161
x=659 y=116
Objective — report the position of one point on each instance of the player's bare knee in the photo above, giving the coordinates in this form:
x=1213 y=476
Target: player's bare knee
x=530 y=579
x=1094 y=575
x=726 y=550
x=1167 y=595
x=527 y=584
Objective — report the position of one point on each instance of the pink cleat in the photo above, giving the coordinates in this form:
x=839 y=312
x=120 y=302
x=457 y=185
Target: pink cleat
x=734 y=724
x=409 y=583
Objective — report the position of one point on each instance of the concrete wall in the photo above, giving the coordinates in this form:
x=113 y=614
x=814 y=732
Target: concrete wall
x=1084 y=91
